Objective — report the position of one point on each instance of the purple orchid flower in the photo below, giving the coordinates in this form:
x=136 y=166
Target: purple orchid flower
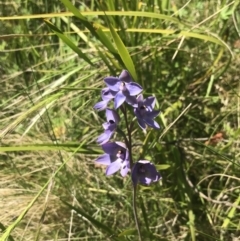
x=106 y=95
x=144 y=172
x=109 y=126
x=145 y=112
x=125 y=89
x=116 y=157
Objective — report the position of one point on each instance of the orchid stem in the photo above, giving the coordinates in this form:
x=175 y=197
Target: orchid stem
x=135 y=212
x=129 y=135
x=129 y=144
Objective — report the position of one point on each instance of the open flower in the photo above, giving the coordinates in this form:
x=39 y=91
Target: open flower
x=106 y=95
x=116 y=157
x=125 y=89
x=109 y=126
x=144 y=172
x=145 y=112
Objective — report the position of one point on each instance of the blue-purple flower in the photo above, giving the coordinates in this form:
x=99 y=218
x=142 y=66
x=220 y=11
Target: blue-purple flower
x=145 y=113
x=125 y=89
x=144 y=172
x=106 y=95
x=116 y=158
x=109 y=126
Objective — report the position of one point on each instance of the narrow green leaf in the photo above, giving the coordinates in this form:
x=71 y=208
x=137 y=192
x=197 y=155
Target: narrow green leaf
x=2 y=227
x=163 y=166
x=104 y=58
x=114 y=62
x=70 y=147
x=231 y=213
x=96 y=13
x=67 y=41
x=73 y=9
x=128 y=232
x=210 y=84
x=83 y=19
x=105 y=40
x=93 y=28
x=110 y=5
x=191 y=217
x=123 y=52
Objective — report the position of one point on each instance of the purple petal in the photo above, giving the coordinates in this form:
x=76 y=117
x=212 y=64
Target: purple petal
x=140 y=98
x=141 y=123
x=157 y=177
x=113 y=167
x=144 y=161
x=152 y=114
x=110 y=148
x=152 y=123
x=151 y=169
x=144 y=172
x=137 y=113
x=105 y=125
x=121 y=144
x=152 y=173
x=119 y=99
x=101 y=105
x=112 y=115
x=113 y=83
x=125 y=77
x=134 y=88
x=147 y=181
x=104 y=137
x=131 y=100
x=125 y=169
x=107 y=94
x=143 y=180
x=108 y=126
x=150 y=101
x=127 y=157
x=104 y=159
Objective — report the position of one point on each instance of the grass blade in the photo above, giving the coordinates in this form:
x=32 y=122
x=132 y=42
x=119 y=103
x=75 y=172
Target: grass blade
x=231 y=214
x=2 y=227
x=123 y=52
x=94 y=29
x=67 y=41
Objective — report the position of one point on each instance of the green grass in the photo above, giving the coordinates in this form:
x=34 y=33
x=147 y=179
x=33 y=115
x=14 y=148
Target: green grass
x=53 y=62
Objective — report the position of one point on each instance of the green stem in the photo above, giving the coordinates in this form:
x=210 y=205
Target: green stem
x=129 y=145
x=129 y=135
x=135 y=212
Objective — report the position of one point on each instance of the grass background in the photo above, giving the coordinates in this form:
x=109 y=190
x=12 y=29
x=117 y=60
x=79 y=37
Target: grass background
x=186 y=53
